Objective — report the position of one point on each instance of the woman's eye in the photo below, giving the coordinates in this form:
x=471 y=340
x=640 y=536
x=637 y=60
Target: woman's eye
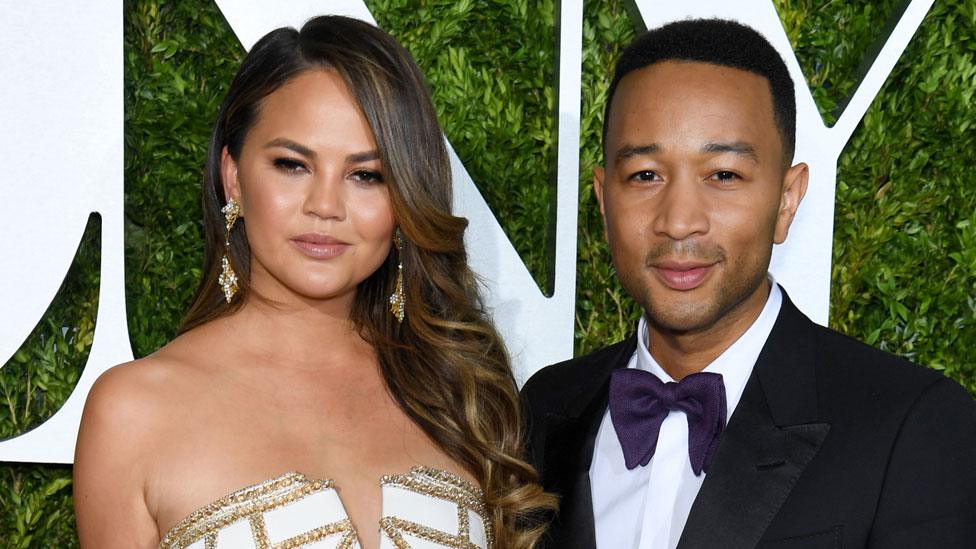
x=368 y=176
x=645 y=175
x=289 y=165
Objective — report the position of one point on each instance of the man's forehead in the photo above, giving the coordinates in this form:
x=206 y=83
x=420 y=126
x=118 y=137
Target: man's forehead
x=687 y=80
x=690 y=100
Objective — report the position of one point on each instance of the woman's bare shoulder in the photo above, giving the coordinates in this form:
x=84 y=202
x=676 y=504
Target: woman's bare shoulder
x=127 y=420
x=131 y=401
x=145 y=382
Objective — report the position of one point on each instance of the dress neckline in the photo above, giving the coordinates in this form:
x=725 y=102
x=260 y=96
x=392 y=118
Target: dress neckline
x=298 y=485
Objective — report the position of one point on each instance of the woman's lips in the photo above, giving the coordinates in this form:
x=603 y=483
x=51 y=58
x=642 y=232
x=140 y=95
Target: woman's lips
x=682 y=277
x=319 y=246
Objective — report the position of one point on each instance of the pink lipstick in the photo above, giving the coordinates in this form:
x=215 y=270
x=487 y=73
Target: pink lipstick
x=319 y=246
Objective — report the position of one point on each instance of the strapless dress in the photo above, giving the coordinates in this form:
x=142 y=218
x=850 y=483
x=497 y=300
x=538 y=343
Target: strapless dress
x=424 y=509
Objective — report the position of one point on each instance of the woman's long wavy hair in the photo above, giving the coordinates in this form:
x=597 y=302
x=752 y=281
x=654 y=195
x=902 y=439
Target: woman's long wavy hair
x=445 y=364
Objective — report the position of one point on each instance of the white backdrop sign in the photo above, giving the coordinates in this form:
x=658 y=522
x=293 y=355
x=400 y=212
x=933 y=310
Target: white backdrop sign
x=61 y=131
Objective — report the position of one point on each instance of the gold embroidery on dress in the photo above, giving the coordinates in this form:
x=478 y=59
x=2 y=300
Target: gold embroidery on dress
x=464 y=526
x=250 y=504
x=348 y=541
x=259 y=532
x=442 y=485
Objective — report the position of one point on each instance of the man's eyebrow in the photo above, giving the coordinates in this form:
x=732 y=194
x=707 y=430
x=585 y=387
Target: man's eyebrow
x=740 y=148
x=628 y=151
x=291 y=145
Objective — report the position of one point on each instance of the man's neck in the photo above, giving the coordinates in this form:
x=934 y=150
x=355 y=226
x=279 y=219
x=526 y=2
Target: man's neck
x=681 y=353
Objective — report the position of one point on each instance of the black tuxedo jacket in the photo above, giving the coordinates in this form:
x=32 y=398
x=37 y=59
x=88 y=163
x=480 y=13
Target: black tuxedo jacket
x=833 y=444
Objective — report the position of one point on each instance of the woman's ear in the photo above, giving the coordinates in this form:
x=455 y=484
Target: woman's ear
x=228 y=177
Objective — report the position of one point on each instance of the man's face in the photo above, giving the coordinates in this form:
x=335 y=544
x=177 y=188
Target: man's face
x=694 y=192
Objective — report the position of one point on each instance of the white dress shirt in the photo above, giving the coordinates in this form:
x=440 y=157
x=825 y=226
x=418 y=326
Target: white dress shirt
x=647 y=507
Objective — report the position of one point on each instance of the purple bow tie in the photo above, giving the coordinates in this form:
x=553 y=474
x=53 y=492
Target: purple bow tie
x=639 y=402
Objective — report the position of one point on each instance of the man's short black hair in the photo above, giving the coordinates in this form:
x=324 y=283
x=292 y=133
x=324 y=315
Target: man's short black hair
x=717 y=42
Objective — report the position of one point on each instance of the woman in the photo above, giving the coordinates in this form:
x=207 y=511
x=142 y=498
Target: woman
x=337 y=334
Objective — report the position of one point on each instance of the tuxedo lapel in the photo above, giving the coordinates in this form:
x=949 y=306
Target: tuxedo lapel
x=754 y=470
x=769 y=440
x=571 y=435
x=568 y=454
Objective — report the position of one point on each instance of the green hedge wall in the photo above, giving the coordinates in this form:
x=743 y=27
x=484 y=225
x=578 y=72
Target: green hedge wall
x=904 y=275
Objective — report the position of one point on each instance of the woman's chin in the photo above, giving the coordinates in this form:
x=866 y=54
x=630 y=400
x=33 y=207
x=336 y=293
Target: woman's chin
x=326 y=293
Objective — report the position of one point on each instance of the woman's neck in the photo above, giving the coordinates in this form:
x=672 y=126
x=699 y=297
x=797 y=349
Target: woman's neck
x=297 y=331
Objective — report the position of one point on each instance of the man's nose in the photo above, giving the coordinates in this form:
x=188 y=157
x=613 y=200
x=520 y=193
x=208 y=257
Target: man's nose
x=681 y=211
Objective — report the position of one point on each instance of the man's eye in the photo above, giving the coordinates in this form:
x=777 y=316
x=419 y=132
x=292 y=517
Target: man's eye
x=645 y=175
x=725 y=175
x=289 y=165
x=368 y=176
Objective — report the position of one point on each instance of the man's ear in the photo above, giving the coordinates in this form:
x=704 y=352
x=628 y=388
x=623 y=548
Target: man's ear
x=794 y=188
x=228 y=177
x=598 y=175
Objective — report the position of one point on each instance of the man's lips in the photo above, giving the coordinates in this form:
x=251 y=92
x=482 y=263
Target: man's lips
x=320 y=246
x=682 y=275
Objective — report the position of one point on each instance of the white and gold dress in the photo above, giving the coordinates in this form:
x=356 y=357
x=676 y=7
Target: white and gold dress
x=424 y=509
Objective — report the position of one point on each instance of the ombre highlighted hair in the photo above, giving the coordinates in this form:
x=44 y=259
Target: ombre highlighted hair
x=445 y=364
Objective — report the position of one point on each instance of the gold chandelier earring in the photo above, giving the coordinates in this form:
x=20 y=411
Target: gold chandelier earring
x=228 y=278
x=397 y=299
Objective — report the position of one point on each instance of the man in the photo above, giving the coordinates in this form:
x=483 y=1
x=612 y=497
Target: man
x=828 y=442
